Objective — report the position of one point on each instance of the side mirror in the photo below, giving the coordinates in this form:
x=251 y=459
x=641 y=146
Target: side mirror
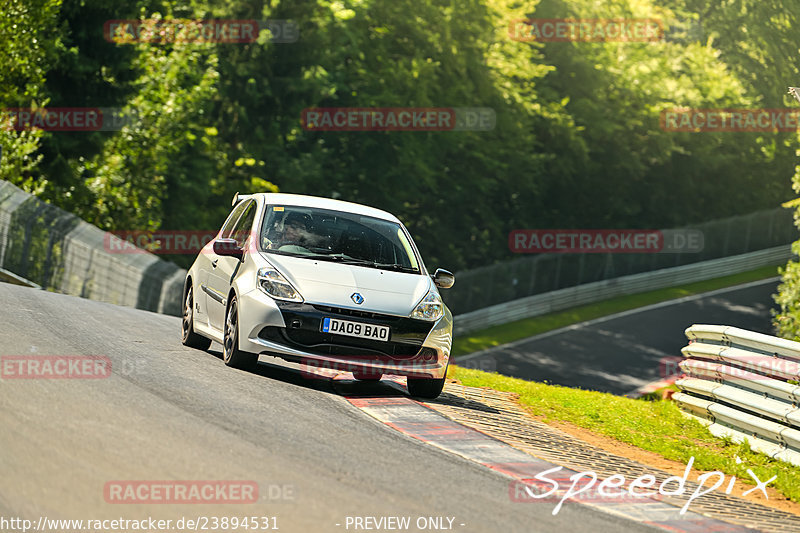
x=443 y=279
x=228 y=248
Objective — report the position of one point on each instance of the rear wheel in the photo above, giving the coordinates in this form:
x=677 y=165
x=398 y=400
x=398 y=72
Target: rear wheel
x=188 y=336
x=231 y=354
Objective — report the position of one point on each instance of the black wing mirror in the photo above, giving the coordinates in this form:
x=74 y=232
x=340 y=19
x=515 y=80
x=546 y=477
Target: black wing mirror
x=443 y=279
x=228 y=248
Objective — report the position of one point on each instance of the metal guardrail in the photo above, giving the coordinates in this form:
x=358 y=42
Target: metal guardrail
x=53 y=249
x=10 y=277
x=744 y=386
x=532 y=274
x=602 y=290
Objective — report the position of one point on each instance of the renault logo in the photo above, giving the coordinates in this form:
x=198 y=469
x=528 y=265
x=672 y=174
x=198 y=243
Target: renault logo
x=357 y=298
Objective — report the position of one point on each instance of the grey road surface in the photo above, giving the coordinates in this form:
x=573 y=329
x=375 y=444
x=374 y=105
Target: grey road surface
x=172 y=413
x=620 y=353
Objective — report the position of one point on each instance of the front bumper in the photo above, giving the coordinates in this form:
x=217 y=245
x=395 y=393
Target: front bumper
x=292 y=331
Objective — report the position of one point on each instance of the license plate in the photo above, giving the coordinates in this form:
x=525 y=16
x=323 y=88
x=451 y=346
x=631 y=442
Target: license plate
x=355 y=329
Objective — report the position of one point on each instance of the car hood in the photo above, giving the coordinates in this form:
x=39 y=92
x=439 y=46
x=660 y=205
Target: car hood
x=333 y=284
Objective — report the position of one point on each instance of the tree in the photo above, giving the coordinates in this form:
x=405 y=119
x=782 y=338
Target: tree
x=29 y=38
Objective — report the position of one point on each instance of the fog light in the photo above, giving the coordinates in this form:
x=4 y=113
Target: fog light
x=428 y=355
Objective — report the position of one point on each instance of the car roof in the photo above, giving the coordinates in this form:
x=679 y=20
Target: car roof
x=301 y=200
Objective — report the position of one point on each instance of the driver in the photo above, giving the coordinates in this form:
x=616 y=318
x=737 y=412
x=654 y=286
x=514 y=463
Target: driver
x=295 y=231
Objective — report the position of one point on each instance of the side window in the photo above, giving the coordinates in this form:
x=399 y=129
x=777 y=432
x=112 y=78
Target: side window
x=227 y=229
x=245 y=225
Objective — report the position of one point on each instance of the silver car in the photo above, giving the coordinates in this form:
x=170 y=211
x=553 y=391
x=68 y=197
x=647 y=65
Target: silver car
x=324 y=283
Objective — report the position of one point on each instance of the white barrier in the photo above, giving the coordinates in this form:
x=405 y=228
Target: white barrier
x=745 y=386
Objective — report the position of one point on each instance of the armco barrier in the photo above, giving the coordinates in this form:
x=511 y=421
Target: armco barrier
x=46 y=246
x=532 y=274
x=601 y=290
x=744 y=386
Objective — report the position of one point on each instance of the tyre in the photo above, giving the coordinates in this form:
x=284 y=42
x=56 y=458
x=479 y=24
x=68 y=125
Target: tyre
x=231 y=354
x=188 y=336
x=427 y=388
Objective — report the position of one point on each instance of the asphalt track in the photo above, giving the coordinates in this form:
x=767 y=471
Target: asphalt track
x=172 y=413
x=622 y=352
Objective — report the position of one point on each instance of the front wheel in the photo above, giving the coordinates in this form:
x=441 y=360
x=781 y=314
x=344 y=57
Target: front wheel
x=231 y=354
x=188 y=336
x=425 y=387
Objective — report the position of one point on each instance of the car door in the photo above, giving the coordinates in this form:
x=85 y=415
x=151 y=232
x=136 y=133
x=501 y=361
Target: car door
x=205 y=260
x=224 y=269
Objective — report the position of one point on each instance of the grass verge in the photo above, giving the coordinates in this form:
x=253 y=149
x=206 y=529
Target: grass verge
x=497 y=335
x=656 y=426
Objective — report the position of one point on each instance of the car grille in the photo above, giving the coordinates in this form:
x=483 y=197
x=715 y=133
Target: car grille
x=352 y=312
x=303 y=332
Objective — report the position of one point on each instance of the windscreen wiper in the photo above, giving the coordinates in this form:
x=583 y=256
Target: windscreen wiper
x=380 y=266
x=341 y=258
x=399 y=268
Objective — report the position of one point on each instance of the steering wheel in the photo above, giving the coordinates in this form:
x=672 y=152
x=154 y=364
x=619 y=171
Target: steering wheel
x=293 y=247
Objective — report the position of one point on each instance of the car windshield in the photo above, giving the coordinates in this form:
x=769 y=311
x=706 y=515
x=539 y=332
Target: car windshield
x=337 y=236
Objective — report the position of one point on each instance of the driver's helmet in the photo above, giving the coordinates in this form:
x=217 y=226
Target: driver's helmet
x=301 y=219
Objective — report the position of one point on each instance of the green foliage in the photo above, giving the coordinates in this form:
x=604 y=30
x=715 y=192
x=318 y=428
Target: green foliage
x=167 y=145
x=617 y=91
x=86 y=71
x=577 y=141
x=28 y=41
x=787 y=318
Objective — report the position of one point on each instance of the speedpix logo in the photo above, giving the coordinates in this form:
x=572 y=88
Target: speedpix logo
x=546 y=486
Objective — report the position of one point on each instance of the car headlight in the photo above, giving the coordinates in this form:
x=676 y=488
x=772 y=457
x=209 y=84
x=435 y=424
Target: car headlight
x=431 y=308
x=275 y=285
